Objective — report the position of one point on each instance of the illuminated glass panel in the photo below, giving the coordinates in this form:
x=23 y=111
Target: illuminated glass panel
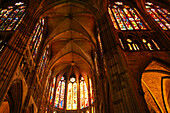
x=160 y=15
x=132 y=45
x=74 y=96
x=57 y=94
x=164 y=14
x=161 y=18
x=155 y=44
x=119 y=20
x=36 y=37
x=112 y=18
x=126 y=17
x=119 y=3
x=52 y=91
x=43 y=62
x=61 y=104
x=86 y=95
x=84 y=101
x=11 y=17
x=156 y=19
x=60 y=92
x=131 y=19
x=137 y=19
x=91 y=91
x=69 y=96
x=82 y=94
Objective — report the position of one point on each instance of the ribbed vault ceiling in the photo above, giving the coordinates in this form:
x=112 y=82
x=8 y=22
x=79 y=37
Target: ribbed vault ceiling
x=71 y=36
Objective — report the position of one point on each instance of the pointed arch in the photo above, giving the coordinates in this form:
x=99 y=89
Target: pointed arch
x=154 y=87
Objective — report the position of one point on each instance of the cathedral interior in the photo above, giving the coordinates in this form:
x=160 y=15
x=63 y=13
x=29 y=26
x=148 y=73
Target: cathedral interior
x=84 y=56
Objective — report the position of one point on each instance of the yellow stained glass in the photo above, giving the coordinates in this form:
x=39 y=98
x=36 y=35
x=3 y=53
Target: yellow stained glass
x=91 y=91
x=74 y=96
x=69 y=97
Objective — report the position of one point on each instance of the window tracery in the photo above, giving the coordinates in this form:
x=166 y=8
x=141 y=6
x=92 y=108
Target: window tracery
x=36 y=37
x=43 y=62
x=70 y=96
x=124 y=17
x=160 y=15
x=12 y=16
x=149 y=44
x=133 y=43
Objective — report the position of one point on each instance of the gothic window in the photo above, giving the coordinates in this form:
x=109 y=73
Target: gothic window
x=36 y=37
x=160 y=15
x=125 y=18
x=132 y=43
x=121 y=39
x=91 y=91
x=48 y=81
x=149 y=44
x=51 y=93
x=12 y=16
x=60 y=92
x=83 y=94
x=72 y=94
x=71 y=98
x=43 y=62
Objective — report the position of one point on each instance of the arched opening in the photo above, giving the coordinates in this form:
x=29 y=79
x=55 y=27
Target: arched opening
x=71 y=92
x=12 y=102
x=155 y=84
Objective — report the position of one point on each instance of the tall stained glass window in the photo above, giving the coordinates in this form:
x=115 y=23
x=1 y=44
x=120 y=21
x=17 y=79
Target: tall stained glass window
x=12 y=16
x=43 y=62
x=160 y=15
x=36 y=37
x=60 y=92
x=71 y=99
x=83 y=94
x=91 y=91
x=72 y=94
x=48 y=81
x=52 y=90
x=125 y=18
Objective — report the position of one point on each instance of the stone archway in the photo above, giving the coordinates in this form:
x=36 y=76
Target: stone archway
x=155 y=87
x=13 y=100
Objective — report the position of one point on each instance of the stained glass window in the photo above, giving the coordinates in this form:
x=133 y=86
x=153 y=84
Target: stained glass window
x=12 y=16
x=71 y=98
x=52 y=91
x=60 y=92
x=91 y=91
x=132 y=45
x=160 y=15
x=48 y=81
x=83 y=94
x=125 y=17
x=43 y=62
x=36 y=37
x=150 y=44
x=72 y=95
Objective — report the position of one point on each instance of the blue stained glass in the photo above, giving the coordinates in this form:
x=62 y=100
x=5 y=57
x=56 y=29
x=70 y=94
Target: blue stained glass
x=9 y=18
